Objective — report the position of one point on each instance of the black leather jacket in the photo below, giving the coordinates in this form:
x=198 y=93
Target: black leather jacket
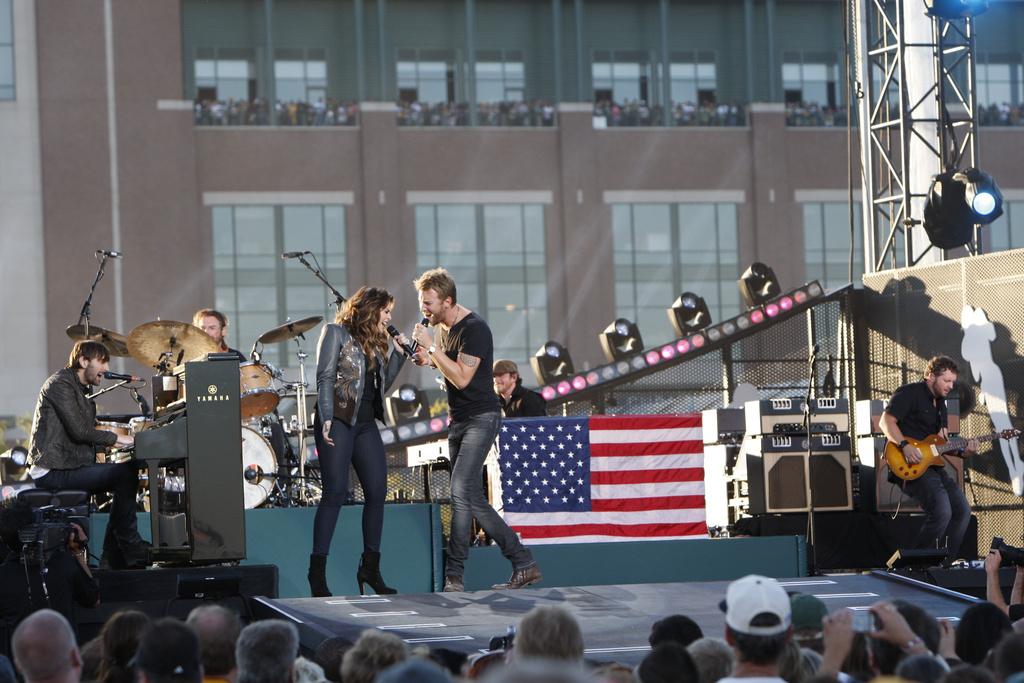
x=340 y=371
x=64 y=434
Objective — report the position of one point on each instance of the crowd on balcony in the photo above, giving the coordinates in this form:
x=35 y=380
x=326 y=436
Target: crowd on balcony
x=639 y=113
x=814 y=114
x=536 y=113
x=255 y=112
x=1004 y=114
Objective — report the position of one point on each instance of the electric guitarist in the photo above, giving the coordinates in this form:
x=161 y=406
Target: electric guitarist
x=916 y=411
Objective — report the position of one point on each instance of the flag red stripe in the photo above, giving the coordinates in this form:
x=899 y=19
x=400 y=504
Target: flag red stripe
x=643 y=421
x=624 y=530
x=598 y=450
x=648 y=476
x=640 y=504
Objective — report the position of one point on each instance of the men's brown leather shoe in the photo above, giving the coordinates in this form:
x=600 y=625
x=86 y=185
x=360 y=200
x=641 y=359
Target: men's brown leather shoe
x=521 y=578
x=453 y=584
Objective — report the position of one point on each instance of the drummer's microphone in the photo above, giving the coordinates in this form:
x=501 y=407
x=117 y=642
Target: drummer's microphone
x=409 y=349
x=116 y=375
x=110 y=254
x=294 y=254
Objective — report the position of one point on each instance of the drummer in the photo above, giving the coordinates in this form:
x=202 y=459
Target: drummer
x=215 y=324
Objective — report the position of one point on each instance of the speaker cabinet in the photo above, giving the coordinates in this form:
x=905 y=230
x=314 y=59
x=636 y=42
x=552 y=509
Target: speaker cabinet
x=777 y=481
x=878 y=494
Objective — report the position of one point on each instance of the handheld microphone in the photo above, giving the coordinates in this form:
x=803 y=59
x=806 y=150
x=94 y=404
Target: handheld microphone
x=110 y=254
x=116 y=375
x=426 y=323
x=294 y=254
x=410 y=349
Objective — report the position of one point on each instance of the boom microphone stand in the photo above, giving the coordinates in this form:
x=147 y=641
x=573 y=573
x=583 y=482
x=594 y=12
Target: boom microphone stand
x=812 y=563
x=83 y=317
x=300 y=392
x=318 y=274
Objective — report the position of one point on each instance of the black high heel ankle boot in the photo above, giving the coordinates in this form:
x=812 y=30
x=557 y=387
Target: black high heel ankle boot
x=318 y=576
x=369 y=572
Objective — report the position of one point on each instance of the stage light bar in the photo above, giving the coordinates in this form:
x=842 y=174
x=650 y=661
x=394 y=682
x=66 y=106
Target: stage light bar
x=551 y=363
x=783 y=306
x=758 y=284
x=405 y=405
x=689 y=313
x=621 y=339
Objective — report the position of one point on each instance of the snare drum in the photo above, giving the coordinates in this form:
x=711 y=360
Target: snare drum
x=259 y=468
x=119 y=428
x=140 y=424
x=122 y=454
x=259 y=395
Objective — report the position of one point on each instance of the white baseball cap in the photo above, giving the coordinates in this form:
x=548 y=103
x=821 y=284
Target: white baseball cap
x=752 y=596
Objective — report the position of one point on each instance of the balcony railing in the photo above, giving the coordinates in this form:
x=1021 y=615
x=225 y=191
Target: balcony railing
x=639 y=113
x=812 y=114
x=256 y=113
x=515 y=114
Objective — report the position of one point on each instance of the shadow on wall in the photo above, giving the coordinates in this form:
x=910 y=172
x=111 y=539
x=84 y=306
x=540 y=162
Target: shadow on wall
x=917 y=315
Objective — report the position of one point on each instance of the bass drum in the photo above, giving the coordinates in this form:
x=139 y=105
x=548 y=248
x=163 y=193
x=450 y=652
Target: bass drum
x=259 y=467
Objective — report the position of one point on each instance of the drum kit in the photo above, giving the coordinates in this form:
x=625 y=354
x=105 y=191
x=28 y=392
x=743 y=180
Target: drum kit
x=271 y=473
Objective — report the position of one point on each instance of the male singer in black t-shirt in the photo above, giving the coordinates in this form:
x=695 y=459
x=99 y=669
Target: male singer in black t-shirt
x=463 y=344
x=917 y=410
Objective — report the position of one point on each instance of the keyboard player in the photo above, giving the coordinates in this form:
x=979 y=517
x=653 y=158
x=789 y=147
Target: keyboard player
x=62 y=451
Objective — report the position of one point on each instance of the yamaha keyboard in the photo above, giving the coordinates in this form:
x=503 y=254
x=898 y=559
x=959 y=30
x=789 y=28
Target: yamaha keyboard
x=204 y=438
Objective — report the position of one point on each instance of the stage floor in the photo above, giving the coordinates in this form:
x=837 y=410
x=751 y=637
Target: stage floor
x=615 y=619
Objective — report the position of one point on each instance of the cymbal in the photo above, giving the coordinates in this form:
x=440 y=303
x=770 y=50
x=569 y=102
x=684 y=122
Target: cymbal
x=170 y=340
x=116 y=343
x=289 y=330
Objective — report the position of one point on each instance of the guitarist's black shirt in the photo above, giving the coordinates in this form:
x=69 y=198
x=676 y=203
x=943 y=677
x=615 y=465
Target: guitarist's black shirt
x=918 y=413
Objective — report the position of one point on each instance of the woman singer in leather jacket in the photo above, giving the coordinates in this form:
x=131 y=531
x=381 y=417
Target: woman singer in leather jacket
x=354 y=370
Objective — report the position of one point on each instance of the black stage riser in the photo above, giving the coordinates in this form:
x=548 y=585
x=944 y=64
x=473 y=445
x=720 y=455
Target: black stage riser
x=967 y=581
x=852 y=540
x=155 y=592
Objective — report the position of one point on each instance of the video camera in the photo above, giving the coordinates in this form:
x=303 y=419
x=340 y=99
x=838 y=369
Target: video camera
x=1010 y=554
x=51 y=530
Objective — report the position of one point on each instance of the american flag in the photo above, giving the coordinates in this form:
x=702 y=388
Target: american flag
x=603 y=478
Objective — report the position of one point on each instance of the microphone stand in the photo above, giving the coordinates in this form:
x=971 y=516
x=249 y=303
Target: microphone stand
x=83 y=317
x=338 y=298
x=110 y=388
x=812 y=562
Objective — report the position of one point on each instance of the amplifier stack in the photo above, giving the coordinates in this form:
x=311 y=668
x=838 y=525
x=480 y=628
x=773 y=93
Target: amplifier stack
x=776 y=455
x=725 y=481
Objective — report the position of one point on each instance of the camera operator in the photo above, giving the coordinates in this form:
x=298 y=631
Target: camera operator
x=1000 y=553
x=65 y=571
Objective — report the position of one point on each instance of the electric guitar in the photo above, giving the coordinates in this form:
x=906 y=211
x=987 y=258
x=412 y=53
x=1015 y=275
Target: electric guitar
x=932 y=448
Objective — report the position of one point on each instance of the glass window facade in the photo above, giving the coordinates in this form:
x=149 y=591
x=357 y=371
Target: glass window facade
x=300 y=75
x=662 y=250
x=427 y=76
x=827 y=243
x=6 y=50
x=622 y=76
x=694 y=78
x=224 y=74
x=1007 y=231
x=1000 y=88
x=495 y=252
x=811 y=78
x=500 y=76
x=258 y=290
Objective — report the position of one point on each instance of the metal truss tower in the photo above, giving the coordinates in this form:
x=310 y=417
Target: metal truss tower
x=916 y=83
